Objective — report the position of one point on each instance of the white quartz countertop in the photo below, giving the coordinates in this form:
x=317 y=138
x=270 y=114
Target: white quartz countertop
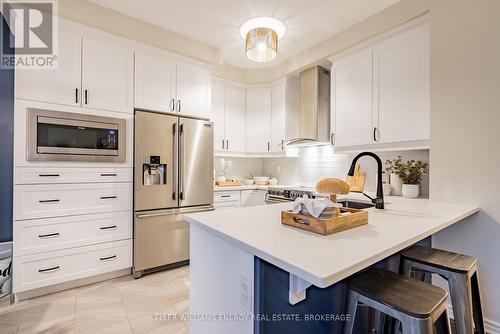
x=325 y=260
x=242 y=187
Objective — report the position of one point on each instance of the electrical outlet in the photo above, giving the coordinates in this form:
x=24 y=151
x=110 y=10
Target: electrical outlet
x=246 y=292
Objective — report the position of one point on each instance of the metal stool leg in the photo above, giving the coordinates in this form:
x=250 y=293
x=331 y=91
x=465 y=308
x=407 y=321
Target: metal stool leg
x=443 y=324
x=477 y=309
x=461 y=300
x=418 y=326
x=351 y=307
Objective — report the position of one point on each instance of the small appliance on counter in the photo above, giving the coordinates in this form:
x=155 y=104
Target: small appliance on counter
x=173 y=176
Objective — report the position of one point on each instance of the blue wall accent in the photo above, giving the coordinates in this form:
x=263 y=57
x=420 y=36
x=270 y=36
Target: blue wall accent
x=6 y=144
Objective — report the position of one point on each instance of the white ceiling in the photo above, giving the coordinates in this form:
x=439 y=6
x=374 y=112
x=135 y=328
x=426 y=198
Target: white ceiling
x=217 y=22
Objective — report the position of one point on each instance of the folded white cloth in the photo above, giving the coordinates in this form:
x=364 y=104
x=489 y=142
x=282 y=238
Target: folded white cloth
x=313 y=207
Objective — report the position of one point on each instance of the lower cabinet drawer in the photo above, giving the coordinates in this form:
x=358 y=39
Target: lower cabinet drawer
x=54 y=175
x=226 y=196
x=57 y=200
x=50 y=234
x=36 y=271
x=226 y=205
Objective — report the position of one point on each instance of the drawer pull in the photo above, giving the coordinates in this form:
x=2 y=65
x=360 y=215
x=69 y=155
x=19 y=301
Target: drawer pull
x=108 y=227
x=110 y=175
x=225 y=196
x=48 y=270
x=48 y=201
x=50 y=235
x=49 y=175
x=108 y=258
x=109 y=197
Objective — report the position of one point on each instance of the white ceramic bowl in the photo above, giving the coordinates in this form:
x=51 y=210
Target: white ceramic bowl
x=261 y=180
x=248 y=182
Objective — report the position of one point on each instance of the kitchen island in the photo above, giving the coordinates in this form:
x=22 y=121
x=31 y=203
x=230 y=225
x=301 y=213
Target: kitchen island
x=251 y=274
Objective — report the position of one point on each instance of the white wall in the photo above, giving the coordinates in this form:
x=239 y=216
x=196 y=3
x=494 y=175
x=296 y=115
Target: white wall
x=465 y=123
x=316 y=163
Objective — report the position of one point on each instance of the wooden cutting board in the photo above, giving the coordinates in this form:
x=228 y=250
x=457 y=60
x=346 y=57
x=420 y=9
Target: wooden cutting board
x=357 y=181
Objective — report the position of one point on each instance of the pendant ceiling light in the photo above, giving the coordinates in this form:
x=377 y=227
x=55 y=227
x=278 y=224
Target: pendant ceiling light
x=261 y=36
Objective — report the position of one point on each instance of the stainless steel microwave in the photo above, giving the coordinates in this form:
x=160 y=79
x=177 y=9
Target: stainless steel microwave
x=62 y=136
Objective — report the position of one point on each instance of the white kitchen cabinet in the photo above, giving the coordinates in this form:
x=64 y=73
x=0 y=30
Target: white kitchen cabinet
x=61 y=85
x=154 y=82
x=253 y=197
x=258 y=120
x=226 y=199
x=381 y=93
x=284 y=113
x=107 y=76
x=401 y=77
x=193 y=91
x=352 y=105
x=228 y=115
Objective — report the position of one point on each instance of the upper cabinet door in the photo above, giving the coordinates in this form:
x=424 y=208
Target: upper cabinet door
x=258 y=120
x=234 y=118
x=278 y=110
x=401 y=77
x=352 y=99
x=107 y=76
x=193 y=91
x=154 y=82
x=218 y=115
x=61 y=85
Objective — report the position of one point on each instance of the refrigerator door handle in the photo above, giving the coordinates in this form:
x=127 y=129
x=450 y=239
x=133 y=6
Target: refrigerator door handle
x=174 y=161
x=181 y=161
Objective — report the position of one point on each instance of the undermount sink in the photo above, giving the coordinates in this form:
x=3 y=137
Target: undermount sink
x=356 y=204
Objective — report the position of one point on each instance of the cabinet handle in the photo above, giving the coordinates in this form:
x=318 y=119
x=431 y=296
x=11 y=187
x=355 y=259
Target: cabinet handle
x=109 y=174
x=179 y=105
x=172 y=105
x=47 y=201
x=268 y=146
x=332 y=139
x=375 y=132
x=50 y=235
x=109 y=197
x=222 y=143
x=86 y=97
x=108 y=227
x=48 y=270
x=282 y=144
x=225 y=196
x=76 y=95
x=227 y=144
x=48 y=175
x=107 y=258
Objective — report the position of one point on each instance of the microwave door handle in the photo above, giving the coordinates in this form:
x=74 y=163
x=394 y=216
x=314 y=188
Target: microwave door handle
x=174 y=161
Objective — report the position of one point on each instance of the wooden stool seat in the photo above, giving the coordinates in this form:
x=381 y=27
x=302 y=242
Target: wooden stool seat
x=404 y=294
x=440 y=258
x=417 y=305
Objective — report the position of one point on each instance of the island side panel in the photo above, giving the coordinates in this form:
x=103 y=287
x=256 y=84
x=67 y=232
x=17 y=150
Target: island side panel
x=218 y=269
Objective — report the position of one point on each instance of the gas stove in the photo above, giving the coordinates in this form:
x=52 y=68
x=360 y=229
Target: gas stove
x=287 y=194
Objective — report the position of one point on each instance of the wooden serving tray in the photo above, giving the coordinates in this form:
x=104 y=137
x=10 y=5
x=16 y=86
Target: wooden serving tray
x=326 y=226
x=228 y=183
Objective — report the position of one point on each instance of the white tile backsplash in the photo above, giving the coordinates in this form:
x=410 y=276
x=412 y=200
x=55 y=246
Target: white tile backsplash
x=241 y=167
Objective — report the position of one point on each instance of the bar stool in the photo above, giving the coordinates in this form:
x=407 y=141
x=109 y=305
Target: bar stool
x=417 y=305
x=461 y=273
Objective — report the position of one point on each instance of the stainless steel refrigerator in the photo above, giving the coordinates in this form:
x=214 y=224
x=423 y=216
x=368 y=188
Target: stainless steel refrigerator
x=173 y=173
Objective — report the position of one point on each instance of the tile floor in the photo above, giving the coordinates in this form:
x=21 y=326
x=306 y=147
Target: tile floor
x=122 y=305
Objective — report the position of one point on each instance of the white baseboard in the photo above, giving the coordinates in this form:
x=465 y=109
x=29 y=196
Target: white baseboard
x=70 y=285
x=490 y=326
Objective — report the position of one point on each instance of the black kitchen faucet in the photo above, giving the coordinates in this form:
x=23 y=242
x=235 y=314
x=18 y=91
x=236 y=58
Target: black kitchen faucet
x=379 y=200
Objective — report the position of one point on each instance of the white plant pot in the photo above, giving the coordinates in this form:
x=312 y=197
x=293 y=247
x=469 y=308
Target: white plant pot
x=396 y=185
x=411 y=190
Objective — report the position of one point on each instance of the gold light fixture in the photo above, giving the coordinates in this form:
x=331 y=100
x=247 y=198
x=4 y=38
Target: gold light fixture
x=261 y=44
x=261 y=38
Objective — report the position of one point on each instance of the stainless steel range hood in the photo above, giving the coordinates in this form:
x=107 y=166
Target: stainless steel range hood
x=314 y=108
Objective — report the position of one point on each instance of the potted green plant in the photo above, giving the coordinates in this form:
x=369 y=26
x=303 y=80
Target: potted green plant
x=393 y=168
x=410 y=173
